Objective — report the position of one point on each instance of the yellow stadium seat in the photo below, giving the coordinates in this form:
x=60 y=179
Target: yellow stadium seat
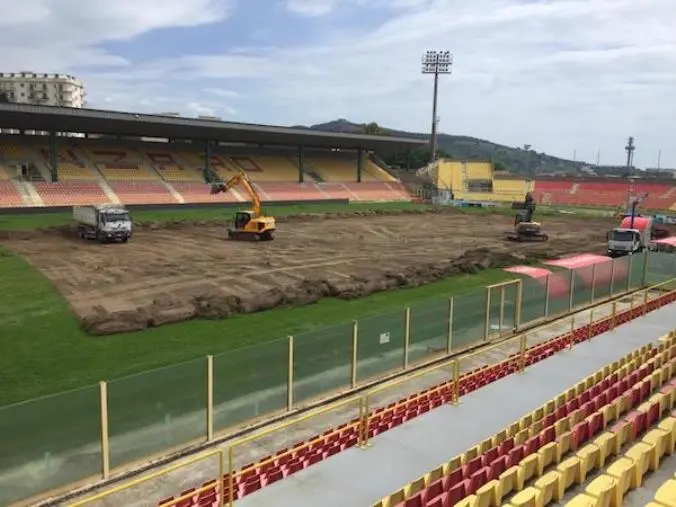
x=525 y=422
x=549 y=485
x=561 y=426
x=395 y=498
x=666 y=493
x=640 y=454
x=529 y=497
x=453 y=464
x=590 y=457
x=434 y=475
x=509 y=480
x=663 y=401
x=488 y=495
x=607 y=444
x=470 y=501
x=528 y=468
x=469 y=455
x=571 y=472
x=498 y=438
x=606 y=489
x=414 y=487
x=659 y=439
x=521 y=437
x=669 y=425
x=564 y=442
x=485 y=445
x=583 y=500
x=624 y=470
x=548 y=455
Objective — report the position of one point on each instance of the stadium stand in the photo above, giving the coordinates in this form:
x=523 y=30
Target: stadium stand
x=556 y=447
x=579 y=413
x=609 y=193
x=90 y=171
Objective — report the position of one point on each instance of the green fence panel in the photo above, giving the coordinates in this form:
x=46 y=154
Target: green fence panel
x=322 y=361
x=661 y=267
x=154 y=411
x=429 y=329
x=380 y=344
x=533 y=300
x=582 y=288
x=603 y=273
x=469 y=319
x=49 y=442
x=637 y=265
x=621 y=278
x=250 y=383
x=559 y=292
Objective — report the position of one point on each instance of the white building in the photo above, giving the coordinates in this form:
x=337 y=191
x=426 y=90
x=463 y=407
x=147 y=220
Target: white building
x=42 y=89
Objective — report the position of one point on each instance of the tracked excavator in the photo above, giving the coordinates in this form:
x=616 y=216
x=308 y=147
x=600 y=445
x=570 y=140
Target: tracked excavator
x=249 y=224
x=524 y=227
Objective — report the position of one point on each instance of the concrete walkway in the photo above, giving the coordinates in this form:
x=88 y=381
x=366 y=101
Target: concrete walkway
x=361 y=477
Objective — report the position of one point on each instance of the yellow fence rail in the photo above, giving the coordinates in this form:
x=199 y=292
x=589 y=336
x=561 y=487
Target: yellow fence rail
x=197 y=402
x=515 y=347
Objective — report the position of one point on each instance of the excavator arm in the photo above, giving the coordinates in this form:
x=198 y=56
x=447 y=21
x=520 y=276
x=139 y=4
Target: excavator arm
x=244 y=180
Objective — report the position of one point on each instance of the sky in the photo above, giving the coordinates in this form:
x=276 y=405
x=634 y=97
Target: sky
x=565 y=76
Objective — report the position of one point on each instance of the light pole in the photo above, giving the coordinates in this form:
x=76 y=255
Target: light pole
x=436 y=62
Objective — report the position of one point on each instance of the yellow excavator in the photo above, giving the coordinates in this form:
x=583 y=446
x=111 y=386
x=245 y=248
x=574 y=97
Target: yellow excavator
x=249 y=224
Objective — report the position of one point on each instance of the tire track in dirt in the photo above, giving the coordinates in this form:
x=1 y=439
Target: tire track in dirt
x=189 y=270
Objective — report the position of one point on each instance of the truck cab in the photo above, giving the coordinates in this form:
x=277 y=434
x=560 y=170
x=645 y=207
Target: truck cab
x=103 y=222
x=633 y=236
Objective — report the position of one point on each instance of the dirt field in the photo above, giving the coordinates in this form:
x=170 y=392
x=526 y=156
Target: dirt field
x=179 y=271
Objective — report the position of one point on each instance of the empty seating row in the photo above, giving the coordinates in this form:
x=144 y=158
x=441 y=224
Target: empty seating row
x=502 y=464
x=285 y=462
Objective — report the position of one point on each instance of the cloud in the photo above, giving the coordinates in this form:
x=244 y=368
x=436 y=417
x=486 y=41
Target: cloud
x=562 y=75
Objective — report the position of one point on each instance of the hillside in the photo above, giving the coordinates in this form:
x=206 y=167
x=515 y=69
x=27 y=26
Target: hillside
x=517 y=160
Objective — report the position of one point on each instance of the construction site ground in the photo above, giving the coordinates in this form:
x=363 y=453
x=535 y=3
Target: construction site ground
x=178 y=271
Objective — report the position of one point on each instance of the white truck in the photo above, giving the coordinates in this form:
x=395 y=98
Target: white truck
x=103 y=222
x=632 y=236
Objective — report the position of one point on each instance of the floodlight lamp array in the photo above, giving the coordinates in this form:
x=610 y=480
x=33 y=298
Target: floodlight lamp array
x=437 y=62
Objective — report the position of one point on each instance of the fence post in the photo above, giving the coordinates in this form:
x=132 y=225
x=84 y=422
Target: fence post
x=487 y=323
x=501 y=319
x=519 y=303
x=231 y=475
x=593 y=283
x=572 y=332
x=630 y=272
x=407 y=334
x=645 y=302
x=522 y=354
x=614 y=317
x=289 y=387
x=449 y=343
x=105 y=443
x=547 y=296
x=646 y=260
x=355 y=343
x=210 y=398
x=612 y=278
x=572 y=290
x=591 y=324
x=456 y=382
x=631 y=308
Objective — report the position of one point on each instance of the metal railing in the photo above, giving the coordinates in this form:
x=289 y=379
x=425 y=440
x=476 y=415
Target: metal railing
x=112 y=426
x=362 y=407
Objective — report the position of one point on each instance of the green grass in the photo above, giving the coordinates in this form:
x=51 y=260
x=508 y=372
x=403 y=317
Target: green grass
x=45 y=351
x=42 y=220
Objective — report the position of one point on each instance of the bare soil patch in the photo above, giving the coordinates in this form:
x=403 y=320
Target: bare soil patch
x=184 y=270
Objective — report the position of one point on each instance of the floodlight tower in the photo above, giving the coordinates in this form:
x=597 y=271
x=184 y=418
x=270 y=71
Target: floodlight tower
x=436 y=62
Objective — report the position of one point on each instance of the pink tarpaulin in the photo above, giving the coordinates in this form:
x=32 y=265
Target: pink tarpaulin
x=558 y=284
x=666 y=241
x=531 y=271
x=579 y=261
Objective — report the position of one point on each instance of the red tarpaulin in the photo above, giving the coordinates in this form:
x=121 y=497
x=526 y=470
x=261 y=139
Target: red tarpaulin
x=558 y=284
x=592 y=268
